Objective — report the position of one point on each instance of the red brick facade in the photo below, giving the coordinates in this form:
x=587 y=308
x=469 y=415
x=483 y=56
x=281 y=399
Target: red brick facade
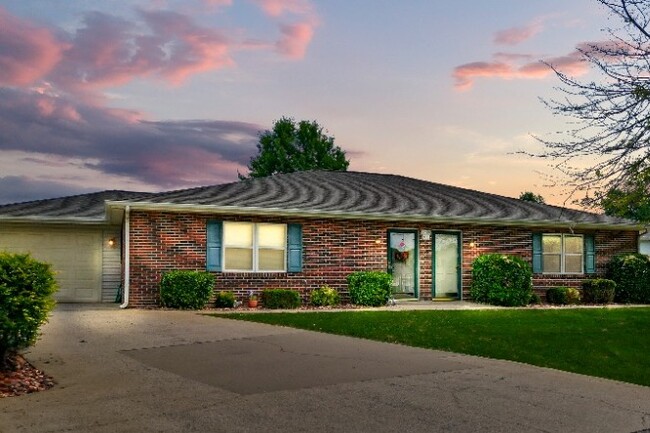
x=332 y=249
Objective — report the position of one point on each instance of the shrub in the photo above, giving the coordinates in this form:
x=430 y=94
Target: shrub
x=535 y=299
x=598 y=291
x=325 y=296
x=632 y=275
x=501 y=280
x=280 y=298
x=369 y=288
x=186 y=289
x=225 y=300
x=562 y=296
x=26 y=289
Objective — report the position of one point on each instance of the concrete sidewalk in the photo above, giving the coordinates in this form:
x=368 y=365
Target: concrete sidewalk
x=172 y=371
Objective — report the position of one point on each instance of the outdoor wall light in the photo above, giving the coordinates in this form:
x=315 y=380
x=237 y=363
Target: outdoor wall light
x=112 y=242
x=473 y=244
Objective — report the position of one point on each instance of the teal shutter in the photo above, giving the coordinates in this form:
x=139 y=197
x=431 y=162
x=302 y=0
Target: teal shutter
x=590 y=254
x=294 y=248
x=214 y=235
x=538 y=264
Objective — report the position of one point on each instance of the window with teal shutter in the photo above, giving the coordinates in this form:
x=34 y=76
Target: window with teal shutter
x=294 y=248
x=538 y=264
x=214 y=241
x=590 y=254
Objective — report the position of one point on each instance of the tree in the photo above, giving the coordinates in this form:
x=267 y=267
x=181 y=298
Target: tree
x=532 y=197
x=613 y=114
x=292 y=146
x=631 y=200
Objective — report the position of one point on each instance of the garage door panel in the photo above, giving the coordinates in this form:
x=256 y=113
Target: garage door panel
x=74 y=255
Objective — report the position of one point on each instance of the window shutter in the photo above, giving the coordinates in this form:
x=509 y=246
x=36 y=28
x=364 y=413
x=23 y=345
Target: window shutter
x=590 y=254
x=214 y=235
x=294 y=248
x=538 y=265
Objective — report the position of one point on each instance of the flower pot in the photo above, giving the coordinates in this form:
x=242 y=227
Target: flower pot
x=252 y=303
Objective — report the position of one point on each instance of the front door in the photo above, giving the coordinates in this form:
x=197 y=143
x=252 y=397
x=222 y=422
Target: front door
x=402 y=262
x=446 y=265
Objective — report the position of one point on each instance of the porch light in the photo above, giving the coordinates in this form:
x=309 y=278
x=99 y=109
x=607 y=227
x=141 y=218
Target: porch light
x=473 y=244
x=112 y=242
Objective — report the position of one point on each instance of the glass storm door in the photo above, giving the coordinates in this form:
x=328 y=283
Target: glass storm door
x=402 y=260
x=446 y=265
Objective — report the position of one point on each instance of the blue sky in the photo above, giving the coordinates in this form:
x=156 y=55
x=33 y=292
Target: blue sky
x=162 y=94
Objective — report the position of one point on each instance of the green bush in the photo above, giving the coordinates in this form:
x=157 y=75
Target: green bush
x=26 y=289
x=325 y=296
x=631 y=272
x=186 y=289
x=280 y=298
x=535 y=299
x=501 y=280
x=369 y=288
x=225 y=300
x=598 y=291
x=562 y=296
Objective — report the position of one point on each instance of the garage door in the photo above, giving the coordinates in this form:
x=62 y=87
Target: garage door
x=75 y=254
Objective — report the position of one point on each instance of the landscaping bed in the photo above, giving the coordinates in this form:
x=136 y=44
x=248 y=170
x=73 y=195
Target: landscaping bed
x=22 y=378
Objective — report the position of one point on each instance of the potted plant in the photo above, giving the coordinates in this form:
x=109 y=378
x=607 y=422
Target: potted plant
x=252 y=300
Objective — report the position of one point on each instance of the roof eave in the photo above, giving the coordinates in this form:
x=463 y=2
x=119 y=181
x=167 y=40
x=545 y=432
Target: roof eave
x=52 y=220
x=212 y=209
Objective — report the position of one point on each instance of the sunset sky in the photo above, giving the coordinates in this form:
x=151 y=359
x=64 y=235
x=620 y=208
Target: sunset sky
x=164 y=94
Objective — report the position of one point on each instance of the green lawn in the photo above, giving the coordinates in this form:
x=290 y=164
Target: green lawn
x=611 y=343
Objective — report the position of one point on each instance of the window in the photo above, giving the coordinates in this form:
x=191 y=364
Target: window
x=254 y=247
x=562 y=254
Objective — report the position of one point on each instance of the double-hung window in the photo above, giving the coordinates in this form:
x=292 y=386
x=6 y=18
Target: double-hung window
x=563 y=254
x=256 y=247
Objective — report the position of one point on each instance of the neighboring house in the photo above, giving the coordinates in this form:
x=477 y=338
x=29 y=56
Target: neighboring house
x=308 y=229
x=644 y=244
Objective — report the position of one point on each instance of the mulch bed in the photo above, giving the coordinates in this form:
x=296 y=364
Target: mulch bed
x=22 y=378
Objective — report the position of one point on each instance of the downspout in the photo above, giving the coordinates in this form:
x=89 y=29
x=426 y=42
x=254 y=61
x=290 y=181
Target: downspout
x=127 y=256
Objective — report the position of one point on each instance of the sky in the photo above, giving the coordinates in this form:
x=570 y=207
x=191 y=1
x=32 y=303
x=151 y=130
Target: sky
x=152 y=95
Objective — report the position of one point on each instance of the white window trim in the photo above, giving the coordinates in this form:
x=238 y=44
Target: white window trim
x=255 y=247
x=563 y=254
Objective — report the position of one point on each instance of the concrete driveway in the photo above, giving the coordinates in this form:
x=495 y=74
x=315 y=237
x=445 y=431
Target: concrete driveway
x=171 y=371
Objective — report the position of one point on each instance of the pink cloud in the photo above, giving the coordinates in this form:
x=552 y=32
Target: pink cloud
x=509 y=67
x=275 y=8
x=28 y=52
x=108 y=51
x=517 y=35
x=295 y=40
x=465 y=74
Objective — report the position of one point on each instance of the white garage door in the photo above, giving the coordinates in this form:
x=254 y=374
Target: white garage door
x=74 y=253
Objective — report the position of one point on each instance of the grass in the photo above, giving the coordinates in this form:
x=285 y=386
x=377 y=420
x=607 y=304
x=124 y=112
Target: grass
x=610 y=343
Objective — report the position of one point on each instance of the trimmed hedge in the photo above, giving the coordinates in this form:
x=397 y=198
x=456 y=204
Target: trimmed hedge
x=26 y=289
x=598 y=291
x=225 y=299
x=501 y=280
x=325 y=296
x=562 y=296
x=631 y=272
x=280 y=299
x=189 y=290
x=369 y=288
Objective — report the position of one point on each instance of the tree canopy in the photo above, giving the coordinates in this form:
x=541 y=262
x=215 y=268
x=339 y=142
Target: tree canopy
x=532 y=197
x=610 y=143
x=295 y=146
x=631 y=200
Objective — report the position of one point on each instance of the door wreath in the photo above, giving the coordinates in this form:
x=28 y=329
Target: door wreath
x=401 y=256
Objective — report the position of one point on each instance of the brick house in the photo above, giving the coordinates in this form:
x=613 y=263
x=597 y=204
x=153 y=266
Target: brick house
x=309 y=229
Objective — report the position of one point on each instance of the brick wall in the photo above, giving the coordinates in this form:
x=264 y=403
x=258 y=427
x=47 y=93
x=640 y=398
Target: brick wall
x=162 y=241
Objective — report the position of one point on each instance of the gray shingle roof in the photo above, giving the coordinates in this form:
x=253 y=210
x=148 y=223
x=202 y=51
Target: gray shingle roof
x=77 y=207
x=355 y=194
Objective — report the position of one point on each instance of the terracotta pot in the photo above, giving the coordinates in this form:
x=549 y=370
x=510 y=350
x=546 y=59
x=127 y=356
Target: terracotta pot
x=252 y=303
